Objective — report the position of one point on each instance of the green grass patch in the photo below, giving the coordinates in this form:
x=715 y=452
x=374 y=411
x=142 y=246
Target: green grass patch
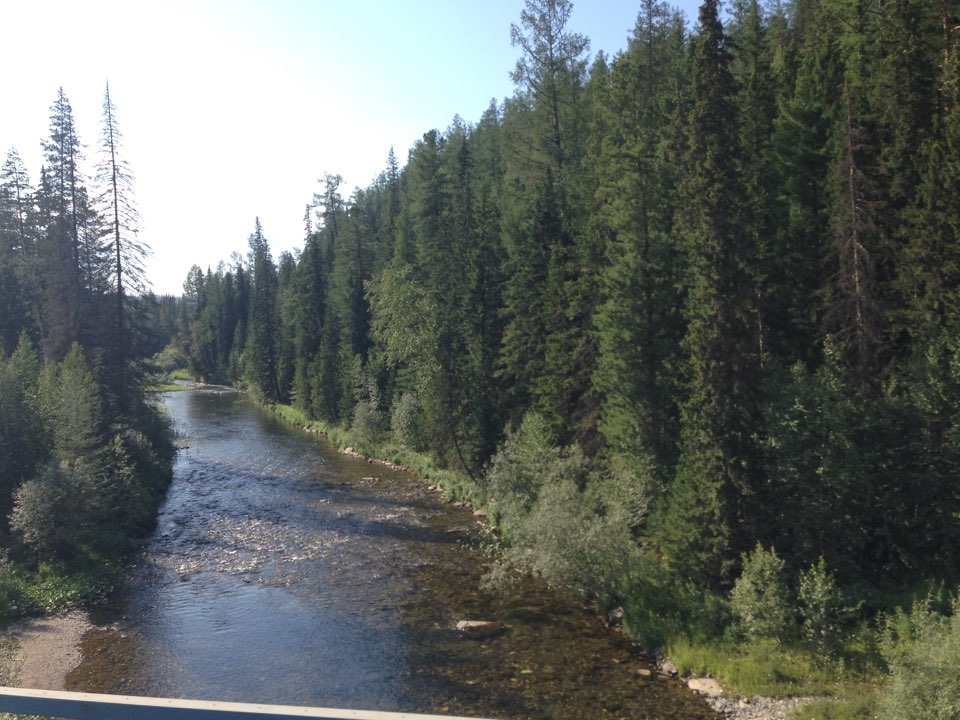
x=858 y=703
x=768 y=668
x=52 y=588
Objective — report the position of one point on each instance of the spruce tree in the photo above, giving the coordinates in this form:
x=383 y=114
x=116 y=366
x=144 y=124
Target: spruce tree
x=638 y=325
x=705 y=526
x=262 y=336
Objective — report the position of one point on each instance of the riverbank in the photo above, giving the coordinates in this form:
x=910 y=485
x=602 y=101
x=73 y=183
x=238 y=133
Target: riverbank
x=40 y=653
x=804 y=689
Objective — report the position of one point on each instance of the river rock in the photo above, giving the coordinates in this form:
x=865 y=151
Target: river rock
x=705 y=686
x=479 y=629
x=667 y=668
x=758 y=708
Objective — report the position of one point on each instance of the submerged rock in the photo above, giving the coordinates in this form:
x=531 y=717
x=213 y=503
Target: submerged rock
x=479 y=629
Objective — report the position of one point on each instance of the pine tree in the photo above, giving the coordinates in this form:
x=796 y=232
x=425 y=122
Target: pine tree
x=547 y=354
x=127 y=253
x=262 y=336
x=61 y=201
x=706 y=523
x=309 y=291
x=638 y=325
x=929 y=272
x=801 y=166
x=858 y=239
x=18 y=276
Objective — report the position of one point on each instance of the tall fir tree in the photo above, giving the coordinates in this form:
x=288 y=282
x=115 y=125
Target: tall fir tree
x=639 y=323
x=262 y=333
x=705 y=525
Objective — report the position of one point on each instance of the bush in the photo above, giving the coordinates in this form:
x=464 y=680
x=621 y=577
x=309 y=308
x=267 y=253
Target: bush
x=52 y=512
x=821 y=608
x=406 y=422
x=11 y=588
x=573 y=530
x=759 y=599
x=922 y=651
x=521 y=466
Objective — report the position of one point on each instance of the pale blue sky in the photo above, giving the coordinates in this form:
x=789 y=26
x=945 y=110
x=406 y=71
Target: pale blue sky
x=235 y=108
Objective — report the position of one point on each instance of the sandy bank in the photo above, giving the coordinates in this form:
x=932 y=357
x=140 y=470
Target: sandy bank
x=41 y=652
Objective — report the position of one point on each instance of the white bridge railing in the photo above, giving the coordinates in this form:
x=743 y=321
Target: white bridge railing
x=90 y=706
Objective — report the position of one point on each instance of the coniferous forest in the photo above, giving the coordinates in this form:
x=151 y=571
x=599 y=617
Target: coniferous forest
x=684 y=320
x=672 y=312
x=85 y=456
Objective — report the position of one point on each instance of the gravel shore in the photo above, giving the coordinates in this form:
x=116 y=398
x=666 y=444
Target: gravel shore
x=41 y=652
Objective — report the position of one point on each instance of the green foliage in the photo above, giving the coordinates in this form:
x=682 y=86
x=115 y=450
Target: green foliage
x=822 y=610
x=406 y=421
x=11 y=588
x=53 y=589
x=100 y=487
x=922 y=649
x=76 y=407
x=559 y=523
x=696 y=301
x=759 y=599
x=262 y=345
x=762 y=667
x=52 y=512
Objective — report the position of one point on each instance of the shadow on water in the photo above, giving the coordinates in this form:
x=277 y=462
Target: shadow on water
x=281 y=571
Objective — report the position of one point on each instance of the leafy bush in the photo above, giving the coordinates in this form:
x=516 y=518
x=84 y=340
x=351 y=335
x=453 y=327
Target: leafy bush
x=406 y=422
x=922 y=650
x=52 y=512
x=821 y=608
x=759 y=599
x=520 y=468
x=11 y=588
x=571 y=529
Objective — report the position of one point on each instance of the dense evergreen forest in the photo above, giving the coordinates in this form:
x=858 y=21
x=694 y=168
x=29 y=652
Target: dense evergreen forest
x=685 y=318
x=666 y=310
x=85 y=457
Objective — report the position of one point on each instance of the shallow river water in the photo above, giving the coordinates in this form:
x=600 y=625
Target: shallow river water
x=284 y=572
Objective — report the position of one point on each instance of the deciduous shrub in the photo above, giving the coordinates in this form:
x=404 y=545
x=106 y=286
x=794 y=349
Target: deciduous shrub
x=406 y=422
x=759 y=600
x=922 y=651
x=821 y=608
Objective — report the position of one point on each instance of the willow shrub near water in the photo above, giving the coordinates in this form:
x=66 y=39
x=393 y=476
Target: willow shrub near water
x=922 y=650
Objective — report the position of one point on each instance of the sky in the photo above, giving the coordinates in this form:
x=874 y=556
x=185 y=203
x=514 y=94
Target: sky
x=235 y=109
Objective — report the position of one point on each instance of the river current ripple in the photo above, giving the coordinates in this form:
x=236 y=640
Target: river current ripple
x=281 y=571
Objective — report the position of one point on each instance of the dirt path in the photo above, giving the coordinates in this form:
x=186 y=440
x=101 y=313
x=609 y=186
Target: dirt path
x=39 y=653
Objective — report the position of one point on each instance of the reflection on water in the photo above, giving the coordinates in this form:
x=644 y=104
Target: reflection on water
x=283 y=572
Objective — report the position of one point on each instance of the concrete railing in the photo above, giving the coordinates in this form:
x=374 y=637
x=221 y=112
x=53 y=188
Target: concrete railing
x=90 y=706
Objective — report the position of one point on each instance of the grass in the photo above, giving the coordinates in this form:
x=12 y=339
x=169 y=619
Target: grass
x=761 y=668
x=859 y=703
x=848 y=683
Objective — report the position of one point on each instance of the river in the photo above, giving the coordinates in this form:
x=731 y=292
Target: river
x=282 y=571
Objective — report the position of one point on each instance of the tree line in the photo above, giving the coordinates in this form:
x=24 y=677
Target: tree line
x=85 y=457
x=664 y=309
